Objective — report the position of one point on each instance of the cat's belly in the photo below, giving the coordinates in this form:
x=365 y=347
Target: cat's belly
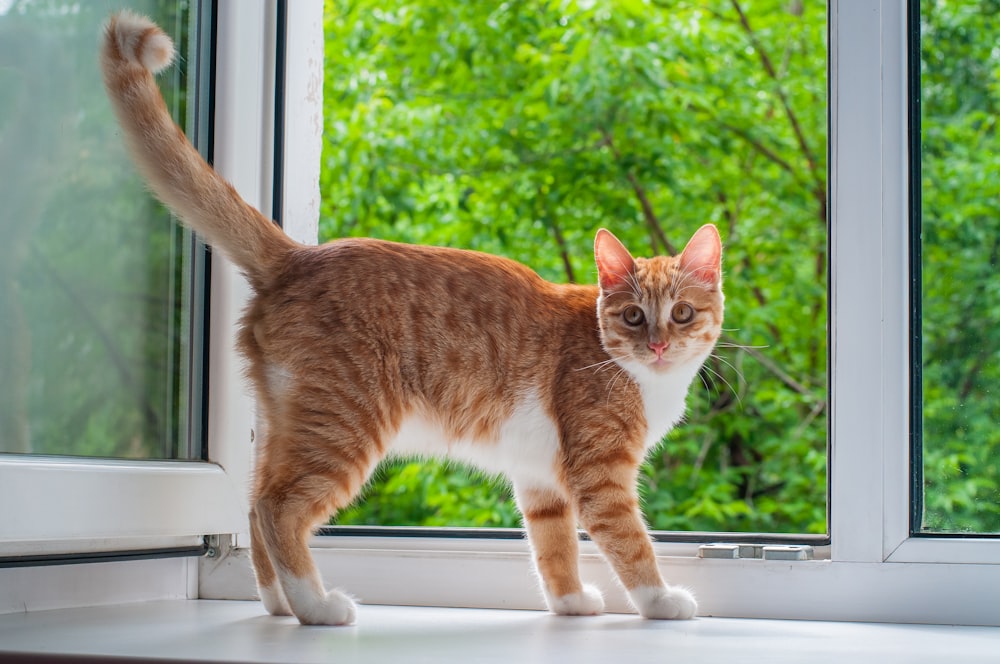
x=525 y=450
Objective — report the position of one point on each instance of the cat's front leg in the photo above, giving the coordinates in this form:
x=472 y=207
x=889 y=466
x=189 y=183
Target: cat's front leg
x=610 y=513
x=551 y=525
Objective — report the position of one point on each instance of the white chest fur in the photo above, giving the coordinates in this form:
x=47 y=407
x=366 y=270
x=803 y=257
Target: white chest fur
x=525 y=450
x=664 y=397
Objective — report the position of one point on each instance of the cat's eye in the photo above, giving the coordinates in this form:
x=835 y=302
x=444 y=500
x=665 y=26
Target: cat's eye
x=634 y=315
x=682 y=313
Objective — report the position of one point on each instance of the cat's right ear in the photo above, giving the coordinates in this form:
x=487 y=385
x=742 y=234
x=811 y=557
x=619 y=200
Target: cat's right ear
x=702 y=257
x=615 y=265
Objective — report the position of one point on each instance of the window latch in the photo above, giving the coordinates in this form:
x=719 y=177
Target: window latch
x=756 y=552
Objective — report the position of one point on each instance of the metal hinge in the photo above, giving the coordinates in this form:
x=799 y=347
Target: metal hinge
x=218 y=546
x=756 y=552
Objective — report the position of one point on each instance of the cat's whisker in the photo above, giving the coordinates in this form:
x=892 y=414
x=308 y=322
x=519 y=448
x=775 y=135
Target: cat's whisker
x=701 y=376
x=608 y=296
x=730 y=365
x=726 y=344
x=611 y=384
x=684 y=282
x=633 y=281
x=604 y=364
x=718 y=375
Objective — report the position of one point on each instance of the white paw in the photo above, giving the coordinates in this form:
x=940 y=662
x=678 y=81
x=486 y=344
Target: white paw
x=587 y=602
x=334 y=608
x=314 y=606
x=664 y=603
x=274 y=600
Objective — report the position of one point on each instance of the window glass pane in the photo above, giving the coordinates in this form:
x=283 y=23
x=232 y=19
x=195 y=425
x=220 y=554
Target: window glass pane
x=94 y=276
x=958 y=466
x=520 y=128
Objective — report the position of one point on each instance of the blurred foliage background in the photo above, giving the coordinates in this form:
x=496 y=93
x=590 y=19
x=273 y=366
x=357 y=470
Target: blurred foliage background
x=93 y=272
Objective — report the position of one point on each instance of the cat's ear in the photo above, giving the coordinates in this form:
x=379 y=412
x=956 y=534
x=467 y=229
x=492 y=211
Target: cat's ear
x=615 y=265
x=702 y=257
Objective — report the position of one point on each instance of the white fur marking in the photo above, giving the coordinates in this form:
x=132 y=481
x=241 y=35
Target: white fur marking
x=525 y=452
x=664 y=395
x=157 y=49
x=274 y=600
x=279 y=379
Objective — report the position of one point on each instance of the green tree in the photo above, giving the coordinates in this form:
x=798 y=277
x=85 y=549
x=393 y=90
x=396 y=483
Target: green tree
x=519 y=128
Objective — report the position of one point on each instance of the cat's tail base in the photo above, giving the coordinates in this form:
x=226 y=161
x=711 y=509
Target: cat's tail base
x=140 y=41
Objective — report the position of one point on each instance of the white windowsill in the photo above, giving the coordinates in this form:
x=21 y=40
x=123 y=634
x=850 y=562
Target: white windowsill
x=492 y=574
x=201 y=630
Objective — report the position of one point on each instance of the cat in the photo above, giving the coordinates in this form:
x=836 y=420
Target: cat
x=360 y=349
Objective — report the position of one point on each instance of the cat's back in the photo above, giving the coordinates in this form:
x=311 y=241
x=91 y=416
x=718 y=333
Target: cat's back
x=419 y=299
x=397 y=270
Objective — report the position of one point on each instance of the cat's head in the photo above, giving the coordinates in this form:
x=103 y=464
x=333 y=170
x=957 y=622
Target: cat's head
x=660 y=313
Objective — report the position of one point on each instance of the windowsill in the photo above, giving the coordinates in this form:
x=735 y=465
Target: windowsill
x=204 y=630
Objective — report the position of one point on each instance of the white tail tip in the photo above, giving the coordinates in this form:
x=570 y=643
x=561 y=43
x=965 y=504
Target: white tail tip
x=140 y=41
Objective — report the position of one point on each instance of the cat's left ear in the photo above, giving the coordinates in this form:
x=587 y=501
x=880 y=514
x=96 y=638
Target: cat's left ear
x=702 y=257
x=615 y=265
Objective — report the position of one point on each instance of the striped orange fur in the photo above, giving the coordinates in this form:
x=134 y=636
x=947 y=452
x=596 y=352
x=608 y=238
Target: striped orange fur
x=360 y=349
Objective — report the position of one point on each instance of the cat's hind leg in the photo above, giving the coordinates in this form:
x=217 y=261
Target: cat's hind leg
x=268 y=586
x=304 y=483
x=551 y=525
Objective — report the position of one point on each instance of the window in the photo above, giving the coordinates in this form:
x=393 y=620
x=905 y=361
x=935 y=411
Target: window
x=97 y=309
x=957 y=208
x=104 y=302
x=873 y=569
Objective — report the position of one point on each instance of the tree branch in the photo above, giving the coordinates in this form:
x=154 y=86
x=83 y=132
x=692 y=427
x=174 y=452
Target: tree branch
x=119 y=361
x=772 y=72
x=551 y=222
x=765 y=151
x=652 y=222
x=772 y=367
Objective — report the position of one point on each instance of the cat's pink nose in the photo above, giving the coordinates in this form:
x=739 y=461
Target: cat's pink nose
x=658 y=347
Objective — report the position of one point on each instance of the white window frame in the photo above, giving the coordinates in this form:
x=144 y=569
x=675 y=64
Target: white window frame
x=871 y=476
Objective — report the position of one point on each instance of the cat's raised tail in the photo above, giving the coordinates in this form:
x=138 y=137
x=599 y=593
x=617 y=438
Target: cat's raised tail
x=133 y=49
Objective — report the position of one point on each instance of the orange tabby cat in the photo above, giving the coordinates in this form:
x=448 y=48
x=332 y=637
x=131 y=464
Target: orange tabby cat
x=359 y=349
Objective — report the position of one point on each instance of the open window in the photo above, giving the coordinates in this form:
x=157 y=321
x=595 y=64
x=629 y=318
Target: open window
x=110 y=310
x=886 y=558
